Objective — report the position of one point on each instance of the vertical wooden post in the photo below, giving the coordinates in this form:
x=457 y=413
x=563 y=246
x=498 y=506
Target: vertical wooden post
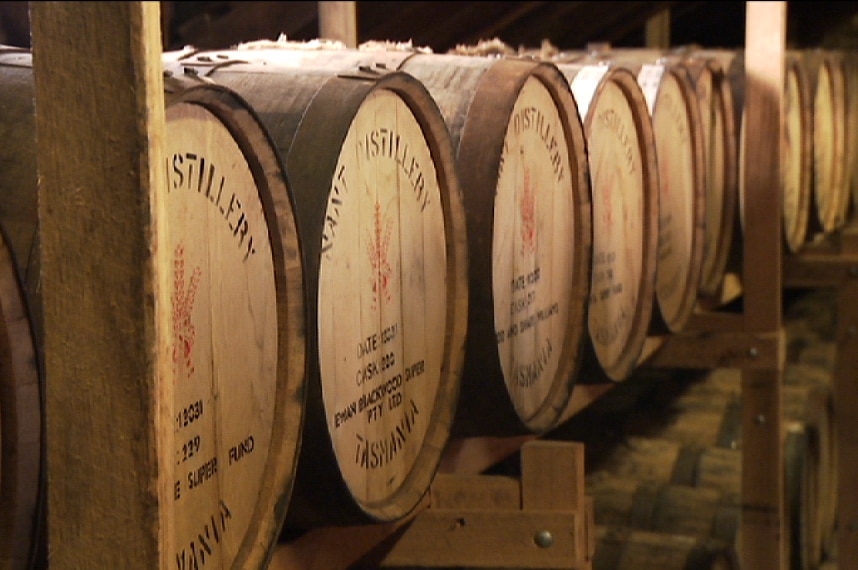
x=763 y=525
x=100 y=129
x=845 y=408
x=338 y=21
x=658 y=30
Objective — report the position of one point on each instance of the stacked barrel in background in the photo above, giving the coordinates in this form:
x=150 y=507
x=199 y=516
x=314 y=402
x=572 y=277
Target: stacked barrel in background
x=405 y=247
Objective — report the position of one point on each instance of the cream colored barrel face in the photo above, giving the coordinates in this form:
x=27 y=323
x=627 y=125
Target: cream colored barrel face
x=382 y=298
x=222 y=338
x=533 y=257
x=712 y=124
x=794 y=198
x=617 y=182
x=824 y=129
x=676 y=197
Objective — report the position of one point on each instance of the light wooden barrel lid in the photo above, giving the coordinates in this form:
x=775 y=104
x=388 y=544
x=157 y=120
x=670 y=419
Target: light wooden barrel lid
x=624 y=184
x=539 y=238
x=522 y=164
x=680 y=155
x=797 y=156
x=381 y=338
x=679 y=142
x=831 y=197
x=233 y=331
x=717 y=114
x=383 y=241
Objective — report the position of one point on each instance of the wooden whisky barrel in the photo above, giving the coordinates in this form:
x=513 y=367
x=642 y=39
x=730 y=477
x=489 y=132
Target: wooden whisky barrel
x=383 y=245
x=522 y=163
x=714 y=85
x=714 y=89
x=663 y=507
x=621 y=548
x=236 y=330
x=696 y=441
x=231 y=424
x=797 y=156
x=680 y=152
x=621 y=152
x=799 y=219
x=832 y=198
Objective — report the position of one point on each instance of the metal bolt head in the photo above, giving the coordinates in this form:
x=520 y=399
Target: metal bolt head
x=753 y=352
x=543 y=539
x=760 y=419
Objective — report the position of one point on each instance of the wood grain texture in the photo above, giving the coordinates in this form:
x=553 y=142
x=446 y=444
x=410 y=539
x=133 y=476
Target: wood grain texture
x=763 y=519
x=100 y=115
x=845 y=406
x=338 y=21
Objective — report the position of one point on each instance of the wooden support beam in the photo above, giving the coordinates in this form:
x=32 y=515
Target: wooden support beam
x=763 y=513
x=658 y=30
x=845 y=411
x=338 y=21
x=490 y=521
x=720 y=350
x=100 y=129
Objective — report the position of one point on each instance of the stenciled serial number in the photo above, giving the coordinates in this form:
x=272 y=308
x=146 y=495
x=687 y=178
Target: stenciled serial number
x=189 y=414
x=188 y=450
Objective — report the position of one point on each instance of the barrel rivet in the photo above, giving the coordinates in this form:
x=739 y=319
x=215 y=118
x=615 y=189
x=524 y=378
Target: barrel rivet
x=760 y=419
x=753 y=352
x=543 y=539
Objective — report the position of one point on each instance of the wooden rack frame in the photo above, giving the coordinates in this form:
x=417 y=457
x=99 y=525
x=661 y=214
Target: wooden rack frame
x=98 y=278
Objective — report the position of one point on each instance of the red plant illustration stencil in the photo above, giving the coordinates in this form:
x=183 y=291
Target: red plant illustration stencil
x=378 y=249
x=182 y=302
x=527 y=210
x=608 y=187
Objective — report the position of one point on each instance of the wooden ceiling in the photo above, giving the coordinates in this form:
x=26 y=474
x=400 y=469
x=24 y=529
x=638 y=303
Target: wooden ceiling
x=442 y=26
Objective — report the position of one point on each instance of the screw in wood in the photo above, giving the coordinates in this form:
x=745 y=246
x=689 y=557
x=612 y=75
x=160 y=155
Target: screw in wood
x=543 y=539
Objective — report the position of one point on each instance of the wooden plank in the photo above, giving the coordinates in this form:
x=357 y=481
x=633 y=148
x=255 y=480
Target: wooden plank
x=476 y=454
x=819 y=270
x=714 y=321
x=763 y=512
x=764 y=80
x=763 y=525
x=333 y=547
x=845 y=411
x=552 y=476
x=488 y=539
x=720 y=350
x=658 y=30
x=338 y=21
x=475 y=492
x=552 y=479
x=100 y=125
